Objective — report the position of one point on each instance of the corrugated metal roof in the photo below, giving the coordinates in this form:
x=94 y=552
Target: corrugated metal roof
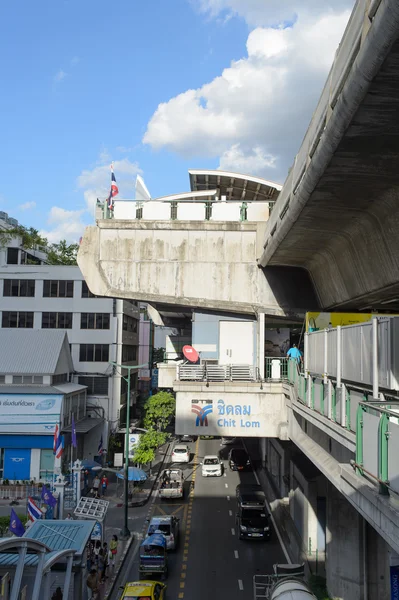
x=11 y=560
x=62 y=535
x=84 y=425
x=30 y=351
x=31 y=389
x=68 y=388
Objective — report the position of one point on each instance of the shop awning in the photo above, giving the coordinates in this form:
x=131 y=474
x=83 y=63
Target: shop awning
x=84 y=425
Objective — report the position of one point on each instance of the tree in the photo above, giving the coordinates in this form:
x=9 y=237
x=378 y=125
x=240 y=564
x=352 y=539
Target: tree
x=144 y=452
x=158 y=355
x=159 y=410
x=62 y=253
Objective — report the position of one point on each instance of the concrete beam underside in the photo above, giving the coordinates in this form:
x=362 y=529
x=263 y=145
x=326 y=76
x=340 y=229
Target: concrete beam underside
x=191 y=264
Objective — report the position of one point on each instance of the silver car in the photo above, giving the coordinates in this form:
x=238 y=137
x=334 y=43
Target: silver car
x=168 y=526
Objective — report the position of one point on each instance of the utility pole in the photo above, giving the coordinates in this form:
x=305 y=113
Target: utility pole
x=125 y=533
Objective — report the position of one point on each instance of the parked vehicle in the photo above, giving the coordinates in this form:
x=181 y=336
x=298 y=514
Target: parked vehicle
x=211 y=466
x=239 y=460
x=153 y=558
x=227 y=441
x=181 y=454
x=168 y=526
x=187 y=438
x=252 y=517
x=152 y=590
x=171 y=484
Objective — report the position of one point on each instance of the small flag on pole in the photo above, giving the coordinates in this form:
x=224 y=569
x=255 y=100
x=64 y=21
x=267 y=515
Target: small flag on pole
x=16 y=526
x=114 y=191
x=74 y=441
x=34 y=512
x=56 y=436
x=48 y=497
x=60 y=446
x=100 y=446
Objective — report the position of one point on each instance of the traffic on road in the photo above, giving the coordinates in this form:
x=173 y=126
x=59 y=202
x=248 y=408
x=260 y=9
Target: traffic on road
x=217 y=535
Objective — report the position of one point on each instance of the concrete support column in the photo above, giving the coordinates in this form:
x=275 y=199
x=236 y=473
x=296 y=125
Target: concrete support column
x=345 y=568
x=377 y=557
x=261 y=345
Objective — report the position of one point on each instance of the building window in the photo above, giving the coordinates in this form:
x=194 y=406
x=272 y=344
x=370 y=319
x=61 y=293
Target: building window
x=12 y=256
x=94 y=321
x=46 y=463
x=58 y=289
x=86 y=293
x=61 y=378
x=27 y=379
x=129 y=353
x=94 y=352
x=95 y=385
x=129 y=324
x=19 y=287
x=2 y=378
x=17 y=319
x=55 y=320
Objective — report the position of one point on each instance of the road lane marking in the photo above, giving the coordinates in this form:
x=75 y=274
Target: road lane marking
x=228 y=497
x=235 y=553
x=184 y=567
x=182 y=585
x=226 y=485
x=181 y=595
x=230 y=513
x=233 y=531
x=183 y=575
x=240 y=584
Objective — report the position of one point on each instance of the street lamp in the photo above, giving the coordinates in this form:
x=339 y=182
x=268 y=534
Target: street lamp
x=125 y=533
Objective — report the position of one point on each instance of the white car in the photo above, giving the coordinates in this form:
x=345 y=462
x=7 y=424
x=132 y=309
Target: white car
x=211 y=466
x=181 y=454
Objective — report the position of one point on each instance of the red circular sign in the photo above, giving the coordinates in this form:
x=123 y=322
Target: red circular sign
x=190 y=353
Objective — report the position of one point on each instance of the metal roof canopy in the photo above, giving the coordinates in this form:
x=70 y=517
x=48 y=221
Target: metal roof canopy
x=92 y=508
x=207 y=195
x=62 y=534
x=84 y=425
x=235 y=186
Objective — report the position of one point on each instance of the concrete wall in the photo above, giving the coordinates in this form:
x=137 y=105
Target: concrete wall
x=201 y=264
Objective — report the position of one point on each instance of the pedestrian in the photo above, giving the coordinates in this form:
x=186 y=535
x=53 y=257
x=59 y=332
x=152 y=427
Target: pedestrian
x=104 y=484
x=69 y=517
x=101 y=566
x=90 y=555
x=92 y=585
x=97 y=548
x=86 y=478
x=96 y=486
x=113 y=547
x=295 y=354
x=57 y=594
x=106 y=559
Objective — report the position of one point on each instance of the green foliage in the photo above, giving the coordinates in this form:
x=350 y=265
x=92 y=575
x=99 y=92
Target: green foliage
x=159 y=410
x=62 y=253
x=144 y=453
x=158 y=355
x=318 y=586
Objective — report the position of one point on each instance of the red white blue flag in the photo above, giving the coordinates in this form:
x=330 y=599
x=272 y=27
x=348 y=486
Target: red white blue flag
x=56 y=436
x=60 y=446
x=114 y=191
x=34 y=511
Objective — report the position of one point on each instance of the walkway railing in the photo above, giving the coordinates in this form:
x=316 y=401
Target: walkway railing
x=276 y=368
x=217 y=373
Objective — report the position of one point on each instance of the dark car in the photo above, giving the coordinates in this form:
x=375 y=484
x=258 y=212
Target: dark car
x=252 y=517
x=187 y=438
x=239 y=460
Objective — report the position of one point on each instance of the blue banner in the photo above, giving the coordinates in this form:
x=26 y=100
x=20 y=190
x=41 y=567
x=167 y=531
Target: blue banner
x=395 y=582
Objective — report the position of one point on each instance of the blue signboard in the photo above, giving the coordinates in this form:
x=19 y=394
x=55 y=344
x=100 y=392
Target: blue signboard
x=17 y=463
x=154 y=378
x=395 y=582
x=97 y=532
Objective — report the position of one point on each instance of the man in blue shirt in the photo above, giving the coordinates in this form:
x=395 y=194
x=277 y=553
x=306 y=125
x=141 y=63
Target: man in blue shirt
x=295 y=353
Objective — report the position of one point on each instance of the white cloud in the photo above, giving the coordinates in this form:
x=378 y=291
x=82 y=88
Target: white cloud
x=59 y=76
x=66 y=225
x=124 y=149
x=97 y=181
x=74 y=61
x=260 y=106
x=27 y=205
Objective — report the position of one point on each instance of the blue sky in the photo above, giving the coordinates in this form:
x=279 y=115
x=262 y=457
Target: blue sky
x=83 y=82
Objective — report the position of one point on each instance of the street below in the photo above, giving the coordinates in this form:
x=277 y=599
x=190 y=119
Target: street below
x=209 y=557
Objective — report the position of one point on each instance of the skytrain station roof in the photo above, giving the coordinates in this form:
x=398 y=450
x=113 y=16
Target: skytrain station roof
x=235 y=186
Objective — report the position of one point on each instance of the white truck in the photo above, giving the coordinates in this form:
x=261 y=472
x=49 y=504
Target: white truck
x=171 y=484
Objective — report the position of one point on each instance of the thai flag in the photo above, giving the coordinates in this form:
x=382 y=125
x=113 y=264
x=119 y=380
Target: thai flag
x=60 y=446
x=56 y=437
x=34 y=511
x=114 y=191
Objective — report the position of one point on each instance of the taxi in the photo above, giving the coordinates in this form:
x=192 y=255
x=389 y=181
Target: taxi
x=144 y=590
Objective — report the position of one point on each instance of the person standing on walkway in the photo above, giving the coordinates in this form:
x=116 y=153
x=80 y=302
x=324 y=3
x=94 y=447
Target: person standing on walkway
x=101 y=566
x=104 y=484
x=96 y=486
x=113 y=546
x=295 y=354
x=106 y=559
x=92 y=585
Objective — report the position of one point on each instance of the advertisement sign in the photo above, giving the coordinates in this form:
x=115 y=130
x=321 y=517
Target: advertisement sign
x=97 y=532
x=118 y=459
x=29 y=413
x=394 y=582
x=322 y=320
x=134 y=439
x=235 y=415
x=154 y=378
